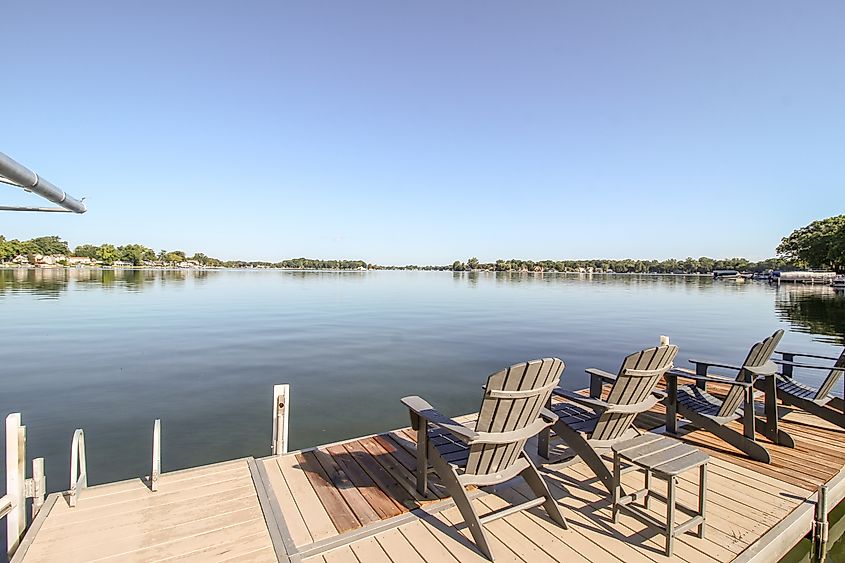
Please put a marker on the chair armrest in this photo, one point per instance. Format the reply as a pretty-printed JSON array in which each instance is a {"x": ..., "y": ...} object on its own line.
[
  {"x": 595, "y": 404},
  {"x": 766, "y": 370},
  {"x": 601, "y": 374},
  {"x": 783, "y": 353},
  {"x": 708, "y": 378},
  {"x": 548, "y": 415},
  {"x": 715, "y": 365},
  {"x": 423, "y": 409},
  {"x": 809, "y": 366}
]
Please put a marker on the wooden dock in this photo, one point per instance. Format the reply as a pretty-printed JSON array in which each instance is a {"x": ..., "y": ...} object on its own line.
[{"x": 356, "y": 501}]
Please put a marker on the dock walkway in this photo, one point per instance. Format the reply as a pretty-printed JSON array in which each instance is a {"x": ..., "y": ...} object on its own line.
[{"x": 356, "y": 501}]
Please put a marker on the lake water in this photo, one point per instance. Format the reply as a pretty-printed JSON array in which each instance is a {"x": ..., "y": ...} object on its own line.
[{"x": 110, "y": 351}]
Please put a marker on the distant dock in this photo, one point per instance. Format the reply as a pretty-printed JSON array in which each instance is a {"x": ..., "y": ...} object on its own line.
[{"x": 356, "y": 501}]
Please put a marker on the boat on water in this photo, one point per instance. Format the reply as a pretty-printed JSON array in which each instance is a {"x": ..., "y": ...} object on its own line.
[
  {"x": 805, "y": 276},
  {"x": 731, "y": 275},
  {"x": 838, "y": 282}
]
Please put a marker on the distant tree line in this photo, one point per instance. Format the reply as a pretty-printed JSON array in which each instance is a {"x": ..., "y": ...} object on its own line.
[
  {"x": 703, "y": 265},
  {"x": 821, "y": 244},
  {"x": 139, "y": 255}
]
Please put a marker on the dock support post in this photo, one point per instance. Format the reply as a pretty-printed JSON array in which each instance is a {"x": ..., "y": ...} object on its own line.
[
  {"x": 155, "y": 472},
  {"x": 39, "y": 485},
  {"x": 15, "y": 481},
  {"x": 281, "y": 410},
  {"x": 820, "y": 524}
]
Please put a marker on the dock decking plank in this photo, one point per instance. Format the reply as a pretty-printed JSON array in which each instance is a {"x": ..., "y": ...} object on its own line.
[
  {"x": 313, "y": 512},
  {"x": 377, "y": 499},
  {"x": 341, "y": 515},
  {"x": 365, "y": 513},
  {"x": 293, "y": 518}
]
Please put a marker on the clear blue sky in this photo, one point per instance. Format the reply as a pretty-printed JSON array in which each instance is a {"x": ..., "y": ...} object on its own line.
[{"x": 425, "y": 132}]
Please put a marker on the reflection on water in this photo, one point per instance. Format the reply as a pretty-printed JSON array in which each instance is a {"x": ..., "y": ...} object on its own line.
[
  {"x": 111, "y": 350},
  {"x": 815, "y": 310},
  {"x": 51, "y": 282}
]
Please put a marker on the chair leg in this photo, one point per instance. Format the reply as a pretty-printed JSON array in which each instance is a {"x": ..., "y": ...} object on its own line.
[
  {"x": 770, "y": 428},
  {"x": 422, "y": 456},
  {"x": 737, "y": 440},
  {"x": 671, "y": 403},
  {"x": 543, "y": 443},
  {"x": 541, "y": 490},
  {"x": 456, "y": 490},
  {"x": 585, "y": 451}
]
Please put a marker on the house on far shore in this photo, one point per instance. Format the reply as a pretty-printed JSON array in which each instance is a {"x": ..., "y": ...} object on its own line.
[
  {"x": 121, "y": 264},
  {"x": 80, "y": 261}
]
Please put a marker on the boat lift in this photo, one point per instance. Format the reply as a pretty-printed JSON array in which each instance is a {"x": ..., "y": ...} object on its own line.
[{"x": 19, "y": 176}]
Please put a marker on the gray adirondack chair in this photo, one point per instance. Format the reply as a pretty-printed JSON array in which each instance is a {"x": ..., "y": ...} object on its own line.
[
  {"x": 712, "y": 414},
  {"x": 492, "y": 451},
  {"x": 817, "y": 401},
  {"x": 590, "y": 425}
]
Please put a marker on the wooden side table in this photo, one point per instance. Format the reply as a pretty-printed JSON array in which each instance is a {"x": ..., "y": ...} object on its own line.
[{"x": 664, "y": 458}]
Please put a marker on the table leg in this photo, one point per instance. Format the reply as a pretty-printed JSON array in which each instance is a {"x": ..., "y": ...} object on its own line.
[
  {"x": 617, "y": 485},
  {"x": 670, "y": 515},
  {"x": 647, "y": 488},
  {"x": 702, "y": 497}
]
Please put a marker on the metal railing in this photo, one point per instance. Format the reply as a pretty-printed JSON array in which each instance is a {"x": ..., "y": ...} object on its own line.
[
  {"x": 18, "y": 175},
  {"x": 78, "y": 467}
]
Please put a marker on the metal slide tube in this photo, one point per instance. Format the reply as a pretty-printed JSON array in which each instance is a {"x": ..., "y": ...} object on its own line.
[{"x": 16, "y": 174}]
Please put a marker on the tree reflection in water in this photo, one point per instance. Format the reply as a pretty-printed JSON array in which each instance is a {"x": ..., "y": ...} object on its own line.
[{"x": 815, "y": 310}]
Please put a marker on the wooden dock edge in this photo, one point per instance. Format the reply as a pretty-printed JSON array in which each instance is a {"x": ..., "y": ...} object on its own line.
[
  {"x": 29, "y": 537},
  {"x": 786, "y": 534},
  {"x": 283, "y": 545}
]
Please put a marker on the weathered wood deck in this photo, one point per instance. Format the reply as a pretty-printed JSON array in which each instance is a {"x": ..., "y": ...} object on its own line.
[{"x": 356, "y": 501}]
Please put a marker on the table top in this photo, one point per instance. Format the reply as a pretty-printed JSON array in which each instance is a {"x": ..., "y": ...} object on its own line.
[{"x": 660, "y": 454}]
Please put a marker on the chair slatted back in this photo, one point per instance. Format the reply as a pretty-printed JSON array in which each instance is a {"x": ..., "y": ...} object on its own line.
[
  {"x": 759, "y": 354},
  {"x": 832, "y": 377},
  {"x": 530, "y": 385},
  {"x": 637, "y": 378}
]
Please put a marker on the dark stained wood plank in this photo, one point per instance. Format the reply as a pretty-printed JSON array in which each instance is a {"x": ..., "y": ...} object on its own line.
[
  {"x": 339, "y": 512},
  {"x": 409, "y": 462},
  {"x": 350, "y": 493},
  {"x": 403, "y": 477},
  {"x": 378, "y": 499},
  {"x": 381, "y": 476}
]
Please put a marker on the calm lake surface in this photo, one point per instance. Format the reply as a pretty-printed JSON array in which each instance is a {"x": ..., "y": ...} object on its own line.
[{"x": 110, "y": 351}]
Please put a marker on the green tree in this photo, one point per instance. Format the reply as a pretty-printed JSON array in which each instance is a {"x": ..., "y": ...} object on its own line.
[
  {"x": 137, "y": 254},
  {"x": 107, "y": 253},
  {"x": 472, "y": 263},
  {"x": 458, "y": 266},
  {"x": 821, "y": 244},
  {"x": 85, "y": 251}
]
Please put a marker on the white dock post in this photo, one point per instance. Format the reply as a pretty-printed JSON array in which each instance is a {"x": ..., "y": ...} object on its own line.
[
  {"x": 15, "y": 481},
  {"x": 281, "y": 411},
  {"x": 155, "y": 472},
  {"x": 664, "y": 340},
  {"x": 39, "y": 481}
]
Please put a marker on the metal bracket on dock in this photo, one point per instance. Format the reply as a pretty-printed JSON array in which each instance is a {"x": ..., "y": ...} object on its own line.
[
  {"x": 78, "y": 467},
  {"x": 155, "y": 472},
  {"x": 820, "y": 523},
  {"x": 281, "y": 410}
]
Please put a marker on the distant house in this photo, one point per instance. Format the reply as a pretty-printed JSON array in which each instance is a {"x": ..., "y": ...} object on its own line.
[
  {"x": 20, "y": 259},
  {"x": 79, "y": 261},
  {"x": 121, "y": 264},
  {"x": 48, "y": 260}
]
